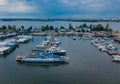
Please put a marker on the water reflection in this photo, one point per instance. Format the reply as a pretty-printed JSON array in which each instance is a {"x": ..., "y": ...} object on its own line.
[
  {"x": 3, "y": 56},
  {"x": 45, "y": 65},
  {"x": 116, "y": 62},
  {"x": 6, "y": 55}
]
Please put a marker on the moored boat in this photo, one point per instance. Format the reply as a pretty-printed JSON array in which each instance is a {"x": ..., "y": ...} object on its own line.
[
  {"x": 116, "y": 58},
  {"x": 56, "y": 50},
  {"x": 42, "y": 57}
]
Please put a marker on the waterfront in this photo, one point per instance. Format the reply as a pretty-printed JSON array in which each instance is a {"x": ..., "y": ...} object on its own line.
[
  {"x": 114, "y": 25},
  {"x": 87, "y": 65}
]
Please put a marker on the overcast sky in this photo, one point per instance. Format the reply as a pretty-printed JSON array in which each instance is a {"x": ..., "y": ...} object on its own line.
[{"x": 60, "y": 8}]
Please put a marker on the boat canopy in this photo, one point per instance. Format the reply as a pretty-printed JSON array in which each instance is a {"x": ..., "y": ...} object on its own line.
[{"x": 44, "y": 55}]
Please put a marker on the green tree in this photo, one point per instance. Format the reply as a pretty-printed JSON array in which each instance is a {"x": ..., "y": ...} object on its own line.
[
  {"x": 84, "y": 25},
  {"x": 29, "y": 29},
  {"x": 46, "y": 27},
  {"x": 14, "y": 27},
  {"x": 99, "y": 27},
  {"x": 56, "y": 30},
  {"x": 91, "y": 26},
  {"x": 22, "y": 27},
  {"x": 3, "y": 27},
  {"x": 9, "y": 27},
  {"x": 62, "y": 27},
  {"x": 70, "y": 26},
  {"x": 43, "y": 28},
  {"x": 51, "y": 27},
  {"x": 107, "y": 27}
]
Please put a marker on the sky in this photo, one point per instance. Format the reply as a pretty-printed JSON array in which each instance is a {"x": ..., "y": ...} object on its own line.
[{"x": 59, "y": 8}]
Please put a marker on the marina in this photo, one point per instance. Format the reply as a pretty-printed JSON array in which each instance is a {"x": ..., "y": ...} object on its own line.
[
  {"x": 81, "y": 53},
  {"x": 87, "y": 54},
  {"x": 59, "y": 42}
]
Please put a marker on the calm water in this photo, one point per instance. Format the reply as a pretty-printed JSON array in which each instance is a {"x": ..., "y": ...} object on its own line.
[
  {"x": 87, "y": 66},
  {"x": 114, "y": 25}
]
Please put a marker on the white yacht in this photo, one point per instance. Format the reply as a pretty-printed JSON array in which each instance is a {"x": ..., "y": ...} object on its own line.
[{"x": 56, "y": 50}]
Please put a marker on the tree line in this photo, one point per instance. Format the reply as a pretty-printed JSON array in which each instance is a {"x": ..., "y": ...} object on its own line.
[{"x": 23, "y": 29}]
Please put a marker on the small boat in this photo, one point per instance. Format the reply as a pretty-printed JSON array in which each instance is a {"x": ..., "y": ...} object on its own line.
[
  {"x": 56, "y": 50},
  {"x": 116, "y": 58},
  {"x": 102, "y": 48},
  {"x": 23, "y": 38},
  {"x": 112, "y": 52},
  {"x": 42, "y": 57},
  {"x": 4, "y": 50},
  {"x": 55, "y": 41},
  {"x": 41, "y": 45},
  {"x": 74, "y": 38}
]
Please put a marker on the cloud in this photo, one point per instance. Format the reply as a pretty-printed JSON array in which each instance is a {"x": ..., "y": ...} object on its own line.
[
  {"x": 57, "y": 8},
  {"x": 88, "y": 5},
  {"x": 3, "y": 2},
  {"x": 15, "y": 6}
]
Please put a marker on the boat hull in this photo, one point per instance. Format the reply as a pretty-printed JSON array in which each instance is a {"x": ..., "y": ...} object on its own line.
[
  {"x": 59, "y": 53},
  {"x": 41, "y": 61}
]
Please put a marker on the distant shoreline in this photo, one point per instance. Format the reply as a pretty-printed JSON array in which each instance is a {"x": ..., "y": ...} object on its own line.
[{"x": 71, "y": 20}]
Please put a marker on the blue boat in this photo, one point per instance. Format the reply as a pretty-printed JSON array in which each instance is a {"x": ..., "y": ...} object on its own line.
[{"x": 42, "y": 57}]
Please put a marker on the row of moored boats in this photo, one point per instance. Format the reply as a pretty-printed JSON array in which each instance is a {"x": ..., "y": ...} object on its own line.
[
  {"x": 47, "y": 51},
  {"x": 107, "y": 45},
  {"x": 8, "y": 45}
]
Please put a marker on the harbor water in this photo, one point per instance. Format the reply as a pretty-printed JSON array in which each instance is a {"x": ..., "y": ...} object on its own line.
[{"x": 87, "y": 65}]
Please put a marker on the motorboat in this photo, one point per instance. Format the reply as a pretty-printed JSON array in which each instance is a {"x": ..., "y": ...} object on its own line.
[
  {"x": 56, "y": 50},
  {"x": 42, "y": 57},
  {"x": 116, "y": 58}
]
